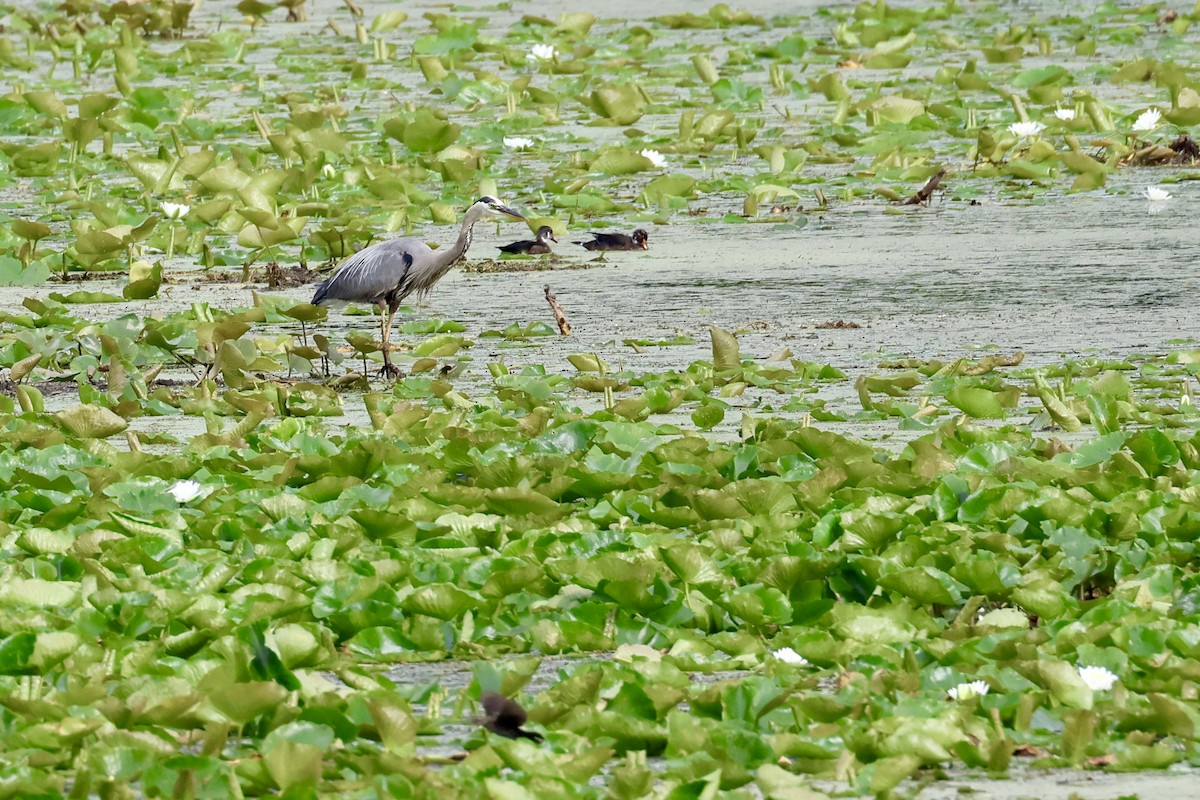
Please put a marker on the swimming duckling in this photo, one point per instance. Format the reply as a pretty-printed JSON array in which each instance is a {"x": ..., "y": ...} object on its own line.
[
  {"x": 505, "y": 717},
  {"x": 537, "y": 247},
  {"x": 618, "y": 241}
]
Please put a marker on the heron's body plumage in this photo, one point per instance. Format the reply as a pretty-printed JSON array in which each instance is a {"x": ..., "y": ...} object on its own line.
[{"x": 379, "y": 272}]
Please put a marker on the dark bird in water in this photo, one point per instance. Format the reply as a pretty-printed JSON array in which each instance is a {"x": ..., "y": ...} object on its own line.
[
  {"x": 537, "y": 247},
  {"x": 618, "y": 241},
  {"x": 386, "y": 273},
  {"x": 505, "y": 717}
]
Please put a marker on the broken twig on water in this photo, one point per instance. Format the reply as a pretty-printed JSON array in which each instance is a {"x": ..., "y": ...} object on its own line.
[
  {"x": 564, "y": 327},
  {"x": 922, "y": 197}
]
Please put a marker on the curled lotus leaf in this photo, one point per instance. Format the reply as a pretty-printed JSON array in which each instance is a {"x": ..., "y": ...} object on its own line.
[
  {"x": 621, "y": 104},
  {"x": 983, "y": 403},
  {"x": 708, "y": 416},
  {"x": 260, "y": 191},
  {"x": 84, "y": 298},
  {"x": 901, "y": 110},
  {"x": 441, "y": 346},
  {"x": 98, "y": 243},
  {"x": 441, "y": 601},
  {"x": 667, "y": 186},
  {"x": 92, "y": 106},
  {"x": 387, "y": 21},
  {"x": 196, "y": 163},
  {"x": 155, "y": 174},
  {"x": 426, "y": 132},
  {"x": 577, "y": 23},
  {"x": 293, "y": 766},
  {"x": 225, "y": 177},
  {"x": 394, "y": 723},
  {"x": 46, "y": 103},
  {"x": 306, "y": 312},
  {"x": 38, "y": 593},
  {"x": 44, "y": 541},
  {"x": 1061, "y": 680},
  {"x": 276, "y": 231},
  {"x": 712, "y": 126},
  {"x": 724, "y": 350},
  {"x": 20, "y": 370},
  {"x": 91, "y": 422},
  {"x": 243, "y": 702},
  {"x": 588, "y": 362},
  {"x": 144, "y": 280},
  {"x": 30, "y": 230},
  {"x": 619, "y": 161}
]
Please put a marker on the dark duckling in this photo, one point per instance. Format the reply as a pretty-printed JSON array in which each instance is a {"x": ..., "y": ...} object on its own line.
[
  {"x": 505, "y": 717},
  {"x": 618, "y": 241},
  {"x": 537, "y": 247}
]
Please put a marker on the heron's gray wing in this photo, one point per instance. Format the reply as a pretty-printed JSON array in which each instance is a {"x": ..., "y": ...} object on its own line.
[{"x": 368, "y": 275}]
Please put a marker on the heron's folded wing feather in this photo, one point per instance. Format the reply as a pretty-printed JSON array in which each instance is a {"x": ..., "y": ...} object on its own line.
[{"x": 368, "y": 275}]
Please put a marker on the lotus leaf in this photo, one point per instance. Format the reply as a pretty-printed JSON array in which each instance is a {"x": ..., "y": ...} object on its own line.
[
  {"x": 620, "y": 104},
  {"x": 900, "y": 110},
  {"x": 91, "y": 422}
]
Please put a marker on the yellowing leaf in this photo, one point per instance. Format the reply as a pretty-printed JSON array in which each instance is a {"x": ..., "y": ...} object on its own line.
[
  {"x": 725, "y": 350},
  {"x": 91, "y": 422}
]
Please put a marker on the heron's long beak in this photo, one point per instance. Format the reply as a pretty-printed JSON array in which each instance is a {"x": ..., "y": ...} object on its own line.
[{"x": 508, "y": 212}]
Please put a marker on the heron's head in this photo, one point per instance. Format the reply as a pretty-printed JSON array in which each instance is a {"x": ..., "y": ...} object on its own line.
[
  {"x": 490, "y": 206},
  {"x": 641, "y": 239},
  {"x": 546, "y": 232}
]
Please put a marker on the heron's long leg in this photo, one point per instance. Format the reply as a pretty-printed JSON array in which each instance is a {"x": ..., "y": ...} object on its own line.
[
  {"x": 384, "y": 324},
  {"x": 388, "y": 313}
]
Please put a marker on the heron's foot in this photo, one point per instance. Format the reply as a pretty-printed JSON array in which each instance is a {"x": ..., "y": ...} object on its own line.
[{"x": 391, "y": 371}]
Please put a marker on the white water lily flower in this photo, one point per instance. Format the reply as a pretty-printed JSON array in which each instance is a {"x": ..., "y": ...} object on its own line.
[
  {"x": 542, "y": 52},
  {"x": 1147, "y": 120},
  {"x": 186, "y": 491},
  {"x": 1065, "y": 114},
  {"x": 1156, "y": 194},
  {"x": 789, "y": 656},
  {"x": 175, "y": 210},
  {"x": 965, "y": 691},
  {"x": 1098, "y": 679},
  {"x": 654, "y": 157},
  {"x": 517, "y": 143},
  {"x": 1026, "y": 128}
]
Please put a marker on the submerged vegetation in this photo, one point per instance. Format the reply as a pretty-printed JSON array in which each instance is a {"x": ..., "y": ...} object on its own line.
[{"x": 221, "y": 535}]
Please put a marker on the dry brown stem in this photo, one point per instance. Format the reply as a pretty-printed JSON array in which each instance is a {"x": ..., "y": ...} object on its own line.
[
  {"x": 922, "y": 197},
  {"x": 564, "y": 327}
]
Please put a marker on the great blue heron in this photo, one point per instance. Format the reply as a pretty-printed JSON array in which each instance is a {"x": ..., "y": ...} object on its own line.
[
  {"x": 532, "y": 247},
  {"x": 618, "y": 241},
  {"x": 388, "y": 272},
  {"x": 505, "y": 717}
]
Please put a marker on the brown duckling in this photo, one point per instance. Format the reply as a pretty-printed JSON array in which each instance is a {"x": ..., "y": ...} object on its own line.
[
  {"x": 537, "y": 247},
  {"x": 618, "y": 241},
  {"x": 505, "y": 717}
]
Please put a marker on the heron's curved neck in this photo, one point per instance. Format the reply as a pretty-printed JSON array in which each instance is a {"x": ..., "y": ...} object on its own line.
[{"x": 448, "y": 256}]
